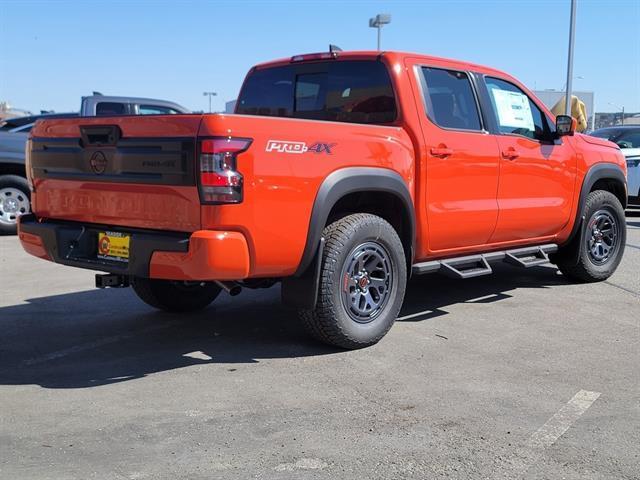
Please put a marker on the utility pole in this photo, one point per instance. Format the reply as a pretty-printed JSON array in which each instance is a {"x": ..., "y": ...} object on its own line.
[
  {"x": 209, "y": 94},
  {"x": 619, "y": 108},
  {"x": 572, "y": 34},
  {"x": 377, "y": 22}
]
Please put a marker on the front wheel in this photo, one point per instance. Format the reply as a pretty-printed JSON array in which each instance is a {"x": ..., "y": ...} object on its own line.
[
  {"x": 362, "y": 282},
  {"x": 601, "y": 243},
  {"x": 175, "y": 296}
]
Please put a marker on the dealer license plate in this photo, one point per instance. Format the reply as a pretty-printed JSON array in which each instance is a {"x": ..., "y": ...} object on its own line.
[{"x": 113, "y": 246}]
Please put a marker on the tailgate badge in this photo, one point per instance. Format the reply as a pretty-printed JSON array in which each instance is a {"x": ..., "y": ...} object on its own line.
[
  {"x": 285, "y": 146},
  {"x": 98, "y": 162}
]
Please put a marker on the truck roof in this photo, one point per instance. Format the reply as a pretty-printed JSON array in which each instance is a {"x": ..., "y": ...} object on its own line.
[{"x": 391, "y": 54}]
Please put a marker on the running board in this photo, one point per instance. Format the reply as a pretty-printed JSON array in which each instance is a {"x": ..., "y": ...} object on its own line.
[{"x": 476, "y": 265}]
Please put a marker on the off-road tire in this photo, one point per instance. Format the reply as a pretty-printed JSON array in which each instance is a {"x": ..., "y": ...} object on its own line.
[
  {"x": 175, "y": 296},
  {"x": 330, "y": 320},
  {"x": 587, "y": 269},
  {"x": 18, "y": 188}
]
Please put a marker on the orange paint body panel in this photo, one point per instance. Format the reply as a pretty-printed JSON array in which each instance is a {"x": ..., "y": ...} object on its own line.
[
  {"x": 33, "y": 245},
  {"x": 172, "y": 208},
  {"x": 469, "y": 199},
  {"x": 280, "y": 188},
  {"x": 212, "y": 255}
]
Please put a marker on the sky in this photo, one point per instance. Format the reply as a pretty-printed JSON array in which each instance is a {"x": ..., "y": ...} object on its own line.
[{"x": 53, "y": 52}]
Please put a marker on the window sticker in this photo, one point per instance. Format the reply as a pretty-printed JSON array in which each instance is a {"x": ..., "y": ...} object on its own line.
[{"x": 513, "y": 109}]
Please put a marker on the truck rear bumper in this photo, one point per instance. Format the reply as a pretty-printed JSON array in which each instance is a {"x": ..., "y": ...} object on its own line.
[{"x": 203, "y": 255}]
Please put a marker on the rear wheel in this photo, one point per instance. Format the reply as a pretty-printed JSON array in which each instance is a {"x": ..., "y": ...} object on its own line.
[
  {"x": 602, "y": 238},
  {"x": 14, "y": 201},
  {"x": 175, "y": 296},
  {"x": 362, "y": 282}
]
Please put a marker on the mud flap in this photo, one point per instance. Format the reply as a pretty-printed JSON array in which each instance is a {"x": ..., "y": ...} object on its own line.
[
  {"x": 302, "y": 291},
  {"x": 569, "y": 253}
]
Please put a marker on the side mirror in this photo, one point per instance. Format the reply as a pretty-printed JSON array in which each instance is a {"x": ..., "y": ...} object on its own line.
[{"x": 565, "y": 125}]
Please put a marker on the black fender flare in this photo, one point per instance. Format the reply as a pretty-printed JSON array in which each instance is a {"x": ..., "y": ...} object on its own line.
[
  {"x": 301, "y": 289},
  {"x": 599, "y": 171},
  {"x": 351, "y": 180}
]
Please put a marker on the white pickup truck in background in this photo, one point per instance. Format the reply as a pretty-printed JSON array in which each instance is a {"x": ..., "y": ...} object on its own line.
[{"x": 14, "y": 132}]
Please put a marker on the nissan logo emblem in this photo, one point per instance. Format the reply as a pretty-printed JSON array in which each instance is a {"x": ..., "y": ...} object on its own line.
[{"x": 98, "y": 162}]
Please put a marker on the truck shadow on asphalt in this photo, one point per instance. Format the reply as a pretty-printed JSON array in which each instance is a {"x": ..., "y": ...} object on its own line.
[{"x": 98, "y": 337}]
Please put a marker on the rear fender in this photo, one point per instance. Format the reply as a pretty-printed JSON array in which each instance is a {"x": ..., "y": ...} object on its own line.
[{"x": 337, "y": 185}]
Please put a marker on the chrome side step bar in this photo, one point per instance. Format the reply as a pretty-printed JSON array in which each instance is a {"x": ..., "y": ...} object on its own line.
[{"x": 475, "y": 265}]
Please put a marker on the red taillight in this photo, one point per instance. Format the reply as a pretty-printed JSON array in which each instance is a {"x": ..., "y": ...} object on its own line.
[{"x": 220, "y": 181}]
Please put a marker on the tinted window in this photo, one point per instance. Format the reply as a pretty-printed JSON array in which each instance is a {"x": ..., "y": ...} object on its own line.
[
  {"x": 629, "y": 139},
  {"x": 109, "y": 108},
  {"x": 449, "y": 99},
  {"x": 349, "y": 91},
  {"x": 268, "y": 92},
  {"x": 156, "y": 110},
  {"x": 515, "y": 112},
  {"x": 606, "y": 134},
  {"x": 310, "y": 92}
]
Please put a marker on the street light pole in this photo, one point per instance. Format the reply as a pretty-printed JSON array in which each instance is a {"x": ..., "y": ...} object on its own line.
[
  {"x": 620, "y": 108},
  {"x": 377, "y": 22},
  {"x": 572, "y": 32},
  {"x": 209, "y": 94}
]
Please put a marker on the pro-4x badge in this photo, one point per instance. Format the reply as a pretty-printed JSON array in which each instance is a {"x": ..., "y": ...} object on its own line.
[{"x": 285, "y": 146}]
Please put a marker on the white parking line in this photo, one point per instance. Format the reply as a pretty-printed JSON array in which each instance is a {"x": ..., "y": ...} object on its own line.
[
  {"x": 414, "y": 315},
  {"x": 548, "y": 434},
  {"x": 95, "y": 344},
  {"x": 562, "y": 420},
  {"x": 198, "y": 355}
]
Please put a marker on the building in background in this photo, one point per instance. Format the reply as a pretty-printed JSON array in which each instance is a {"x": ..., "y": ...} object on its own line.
[
  {"x": 7, "y": 111},
  {"x": 229, "y": 107}
]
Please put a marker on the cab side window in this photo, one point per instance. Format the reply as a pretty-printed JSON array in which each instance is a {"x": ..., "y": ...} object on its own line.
[
  {"x": 156, "y": 110},
  {"x": 449, "y": 99},
  {"x": 515, "y": 113},
  {"x": 110, "y": 108}
]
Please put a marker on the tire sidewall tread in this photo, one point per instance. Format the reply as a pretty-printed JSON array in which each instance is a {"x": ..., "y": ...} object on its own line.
[
  {"x": 585, "y": 270},
  {"x": 329, "y": 321},
  {"x": 19, "y": 183}
]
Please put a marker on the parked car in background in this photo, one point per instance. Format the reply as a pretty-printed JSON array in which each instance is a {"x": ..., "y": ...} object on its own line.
[
  {"x": 14, "y": 190},
  {"x": 16, "y": 123},
  {"x": 98, "y": 105},
  {"x": 628, "y": 139}
]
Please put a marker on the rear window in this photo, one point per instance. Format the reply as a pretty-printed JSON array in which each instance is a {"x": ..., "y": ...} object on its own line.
[{"x": 348, "y": 91}]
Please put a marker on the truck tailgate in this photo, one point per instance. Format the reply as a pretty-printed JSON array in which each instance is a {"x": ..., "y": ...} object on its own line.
[{"x": 122, "y": 171}]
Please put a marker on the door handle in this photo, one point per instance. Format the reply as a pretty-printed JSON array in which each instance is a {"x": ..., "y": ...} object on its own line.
[
  {"x": 510, "y": 154},
  {"x": 441, "y": 152}
]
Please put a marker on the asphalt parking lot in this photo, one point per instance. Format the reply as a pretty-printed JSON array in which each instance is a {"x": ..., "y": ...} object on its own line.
[{"x": 517, "y": 375}]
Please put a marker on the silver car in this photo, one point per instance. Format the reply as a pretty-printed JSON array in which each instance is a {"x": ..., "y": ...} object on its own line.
[{"x": 628, "y": 139}]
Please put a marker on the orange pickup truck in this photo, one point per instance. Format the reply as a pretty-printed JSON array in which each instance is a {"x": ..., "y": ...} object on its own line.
[{"x": 340, "y": 175}]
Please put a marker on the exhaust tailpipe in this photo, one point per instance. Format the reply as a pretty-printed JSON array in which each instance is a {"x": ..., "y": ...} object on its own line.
[{"x": 231, "y": 288}]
